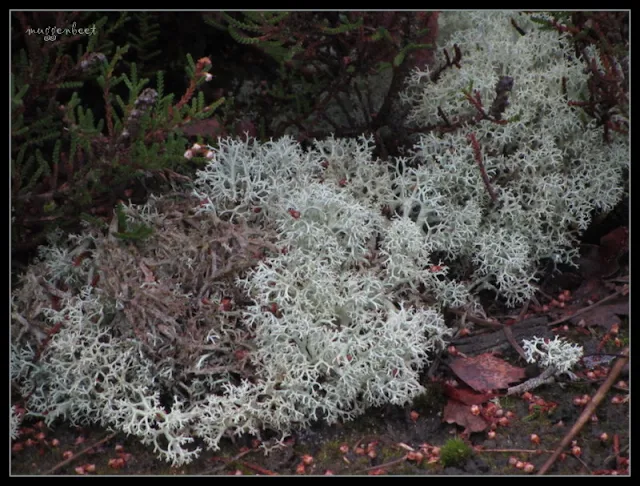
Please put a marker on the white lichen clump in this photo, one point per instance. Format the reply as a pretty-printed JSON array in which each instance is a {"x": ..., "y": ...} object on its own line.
[
  {"x": 549, "y": 168},
  {"x": 343, "y": 309},
  {"x": 15, "y": 419},
  {"x": 559, "y": 353}
]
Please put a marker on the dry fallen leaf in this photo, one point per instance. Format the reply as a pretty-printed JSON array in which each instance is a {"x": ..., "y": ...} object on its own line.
[
  {"x": 604, "y": 315},
  {"x": 592, "y": 264},
  {"x": 456, "y": 412},
  {"x": 601, "y": 261},
  {"x": 486, "y": 372},
  {"x": 466, "y": 395}
]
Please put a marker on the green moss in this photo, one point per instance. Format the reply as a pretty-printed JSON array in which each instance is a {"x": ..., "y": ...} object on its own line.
[
  {"x": 330, "y": 451},
  {"x": 509, "y": 402},
  {"x": 538, "y": 415},
  {"x": 455, "y": 452}
]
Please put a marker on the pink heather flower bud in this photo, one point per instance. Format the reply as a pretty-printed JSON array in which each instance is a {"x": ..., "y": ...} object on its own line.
[
  {"x": 209, "y": 155},
  {"x": 208, "y": 77},
  {"x": 188, "y": 154},
  {"x": 196, "y": 146}
]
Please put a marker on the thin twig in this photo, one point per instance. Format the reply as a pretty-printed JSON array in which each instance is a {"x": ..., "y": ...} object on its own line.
[
  {"x": 83, "y": 451},
  {"x": 258, "y": 469},
  {"x": 585, "y": 309},
  {"x": 524, "y": 310},
  {"x": 386, "y": 464},
  {"x": 550, "y": 297},
  {"x": 544, "y": 378},
  {"x": 362, "y": 439},
  {"x": 515, "y": 451},
  {"x": 226, "y": 461},
  {"x": 477, "y": 320},
  {"x": 615, "y": 455},
  {"x": 624, "y": 279},
  {"x": 509, "y": 333},
  {"x": 588, "y": 410},
  {"x": 581, "y": 461},
  {"x": 478, "y": 157},
  {"x": 443, "y": 116}
]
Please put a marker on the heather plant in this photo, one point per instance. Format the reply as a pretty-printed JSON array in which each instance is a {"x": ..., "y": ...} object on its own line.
[
  {"x": 330, "y": 72},
  {"x": 303, "y": 283},
  {"x": 70, "y": 155}
]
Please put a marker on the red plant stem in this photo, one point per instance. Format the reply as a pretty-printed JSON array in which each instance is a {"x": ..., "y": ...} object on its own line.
[
  {"x": 478, "y": 156},
  {"x": 200, "y": 65},
  {"x": 107, "y": 107},
  {"x": 385, "y": 465},
  {"x": 476, "y": 102},
  {"x": 515, "y": 451},
  {"x": 257, "y": 468}
]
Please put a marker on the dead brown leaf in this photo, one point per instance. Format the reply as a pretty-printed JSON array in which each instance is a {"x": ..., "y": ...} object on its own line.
[
  {"x": 466, "y": 395},
  {"x": 486, "y": 372},
  {"x": 604, "y": 315},
  {"x": 456, "y": 412},
  {"x": 592, "y": 263},
  {"x": 601, "y": 261},
  {"x": 614, "y": 244}
]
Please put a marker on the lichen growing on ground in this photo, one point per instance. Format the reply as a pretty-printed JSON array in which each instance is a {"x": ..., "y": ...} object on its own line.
[{"x": 299, "y": 284}]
